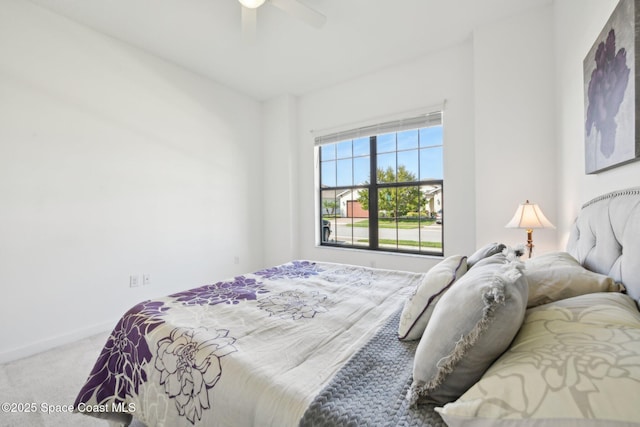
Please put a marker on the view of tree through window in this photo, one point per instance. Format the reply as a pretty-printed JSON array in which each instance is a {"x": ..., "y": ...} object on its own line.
[{"x": 400, "y": 209}]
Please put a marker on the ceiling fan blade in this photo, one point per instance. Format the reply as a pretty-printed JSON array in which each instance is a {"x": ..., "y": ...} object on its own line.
[
  {"x": 301, "y": 11},
  {"x": 249, "y": 24}
]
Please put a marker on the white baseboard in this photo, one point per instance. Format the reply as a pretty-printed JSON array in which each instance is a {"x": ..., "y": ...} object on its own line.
[{"x": 50, "y": 343}]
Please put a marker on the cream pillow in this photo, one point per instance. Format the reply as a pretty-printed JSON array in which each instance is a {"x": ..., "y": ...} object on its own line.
[
  {"x": 418, "y": 309},
  {"x": 557, "y": 275},
  {"x": 472, "y": 324},
  {"x": 574, "y": 363}
]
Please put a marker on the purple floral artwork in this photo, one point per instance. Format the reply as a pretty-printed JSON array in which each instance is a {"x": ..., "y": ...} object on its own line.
[
  {"x": 295, "y": 304},
  {"x": 189, "y": 364},
  {"x": 126, "y": 352},
  {"x": 240, "y": 289},
  {"x": 293, "y": 270},
  {"x": 606, "y": 91}
]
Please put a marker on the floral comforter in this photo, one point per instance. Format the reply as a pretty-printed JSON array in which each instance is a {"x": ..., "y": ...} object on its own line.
[{"x": 253, "y": 350}]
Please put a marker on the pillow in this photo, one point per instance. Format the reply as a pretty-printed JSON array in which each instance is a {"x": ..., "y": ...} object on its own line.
[
  {"x": 418, "y": 309},
  {"x": 557, "y": 275},
  {"x": 484, "y": 252},
  {"x": 472, "y": 324},
  {"x": 575, "y": 362}
]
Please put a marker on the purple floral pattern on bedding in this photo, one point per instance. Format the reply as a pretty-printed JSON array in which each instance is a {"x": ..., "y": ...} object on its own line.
[
  {"x": 232, "y": 292},
  {"x": 119, "y": 370},
  {"x": 148, "y": 351},
  {"x": 189, "y": 364},
  {"x": 293, "y": 270},
  {"x": 295, "y": 304}
]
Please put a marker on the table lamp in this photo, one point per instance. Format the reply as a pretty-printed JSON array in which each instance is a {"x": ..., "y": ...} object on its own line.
[{"x": 529, "y": 216}]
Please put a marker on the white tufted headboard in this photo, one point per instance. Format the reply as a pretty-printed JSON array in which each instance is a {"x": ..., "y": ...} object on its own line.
[{"x": 605, "y": 237}]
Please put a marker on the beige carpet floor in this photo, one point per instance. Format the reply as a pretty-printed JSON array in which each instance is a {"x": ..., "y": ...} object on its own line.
[{"x": 50, "y": 378}]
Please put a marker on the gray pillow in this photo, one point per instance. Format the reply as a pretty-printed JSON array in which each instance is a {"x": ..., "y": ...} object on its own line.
[
  {"x": 557, "y": 275},
  {"x": 418, "y": 309},
  {"x": 484, "y": 252},
  {"x": 471, "y": 326}
]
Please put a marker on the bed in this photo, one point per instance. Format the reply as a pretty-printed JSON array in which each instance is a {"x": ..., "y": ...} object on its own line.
[{"x": 478, "y": 340}]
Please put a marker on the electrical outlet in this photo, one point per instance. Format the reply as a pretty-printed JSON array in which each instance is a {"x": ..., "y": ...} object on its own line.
[
  {"x": 236, "y": 259},
  {"x": 146, "y": 279},
  {"x": 134, "y": 281}
]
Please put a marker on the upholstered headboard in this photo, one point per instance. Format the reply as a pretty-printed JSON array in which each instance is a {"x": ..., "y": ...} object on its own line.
[{"x": 605, "y": 237}]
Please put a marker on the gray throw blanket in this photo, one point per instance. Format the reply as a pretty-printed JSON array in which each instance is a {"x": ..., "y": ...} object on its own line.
[{"x": 370, "y": 390}]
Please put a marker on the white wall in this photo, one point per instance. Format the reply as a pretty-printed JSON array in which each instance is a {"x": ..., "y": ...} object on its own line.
[
  {"x": 515, "y": 150},
  {"x": 280, "y": 184},
  {"x": 112, "y": 163},
  {"x": 577, "y": 25},
  {"x": 425, "y": 82}
]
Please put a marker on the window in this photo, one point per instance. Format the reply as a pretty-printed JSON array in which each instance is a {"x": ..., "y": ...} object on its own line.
[{"x": 381, "y": 187}]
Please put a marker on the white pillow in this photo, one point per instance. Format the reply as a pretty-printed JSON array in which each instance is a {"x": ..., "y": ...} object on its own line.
[
  {"x": 418, "y": 309},
  {"x": 557, "y": 275},
  {"x": 486, "y": 251},
  {"x": 473, "y": 323},
  {"x": 574, "y": 363}
]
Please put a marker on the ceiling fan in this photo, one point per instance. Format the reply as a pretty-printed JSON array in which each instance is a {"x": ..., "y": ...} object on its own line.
[{"x": 292, "y": 7}]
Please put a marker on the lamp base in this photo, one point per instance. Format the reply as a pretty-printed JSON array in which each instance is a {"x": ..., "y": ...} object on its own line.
[{"x": 530, "y": 241}]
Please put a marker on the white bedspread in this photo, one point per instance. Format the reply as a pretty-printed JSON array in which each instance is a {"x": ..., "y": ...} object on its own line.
[{"x": 250, "y": 351}]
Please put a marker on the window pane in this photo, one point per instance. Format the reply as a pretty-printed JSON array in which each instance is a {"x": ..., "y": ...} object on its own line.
[
  {"x": 386, "y": 143},
  {"x": 360, "y": 206},
  {"x": 357, "y": 218},
  {"x": 344, "y": 149},
  {"x": 328, "y": 152},
  {"x": 361, "y": 147},
  {"x": 387, "y": 230},
  {"x": 408, "y": 139},
  {"x": 387, "y": 203},
  {"x": 432, "y": 195},
  {"x": 345, "y": 172},
  {"x": 408, "y": 166},
  {"x": 431, "y": 136},
  {"x": 328, "y": 174},
  {"x": 330, "y": 211},
  {"x": 431, "y": 163},
  {"x": 330, "y": 205},
  {"x": 386, "y": 167},
  {"x": 361, "y": 170},
  {"x": 349, "y": 220},
  {"x": 431, "y": 232},
  {"x": 410, "y": 200}
]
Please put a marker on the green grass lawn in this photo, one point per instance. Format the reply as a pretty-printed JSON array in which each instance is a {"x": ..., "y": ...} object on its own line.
[
  {"x": 411, "y": 243},
  {"x": 405, "y": 224}
]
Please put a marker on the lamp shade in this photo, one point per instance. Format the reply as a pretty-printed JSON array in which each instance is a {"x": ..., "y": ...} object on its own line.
[
  {"x": 529, "y": 216},
  {"x": 251, "y": 4}
]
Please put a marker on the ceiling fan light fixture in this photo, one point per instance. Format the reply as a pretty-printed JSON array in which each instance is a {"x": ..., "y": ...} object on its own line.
[{"x": 252, "y": 4}]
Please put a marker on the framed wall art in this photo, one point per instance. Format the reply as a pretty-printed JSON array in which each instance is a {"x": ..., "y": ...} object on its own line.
[{"x": 610, "y": 100}]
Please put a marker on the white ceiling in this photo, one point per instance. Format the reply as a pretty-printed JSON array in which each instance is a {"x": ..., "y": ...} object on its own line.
[{"x": 288, "y": 56}]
